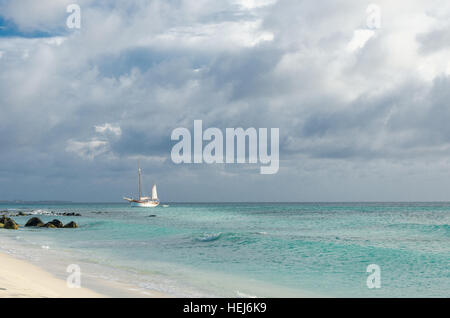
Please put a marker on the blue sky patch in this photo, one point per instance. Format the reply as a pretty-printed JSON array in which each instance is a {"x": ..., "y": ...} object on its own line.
[{"x": 10, "y": 29}]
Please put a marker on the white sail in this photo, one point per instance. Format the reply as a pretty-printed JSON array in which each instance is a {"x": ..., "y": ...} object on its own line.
[
  {"x": 154, "y": 193},
  {"x": 143, "y": 201}
]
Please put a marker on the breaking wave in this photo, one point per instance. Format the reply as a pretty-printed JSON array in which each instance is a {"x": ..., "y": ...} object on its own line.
[{"x": 209, "y": 237}]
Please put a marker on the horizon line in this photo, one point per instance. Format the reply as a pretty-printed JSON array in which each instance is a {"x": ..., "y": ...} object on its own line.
[{"x": 205, "y": 202}]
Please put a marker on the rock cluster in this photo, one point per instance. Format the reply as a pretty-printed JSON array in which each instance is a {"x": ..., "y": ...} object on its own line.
[
  {"x": 55, "y": 224},
  {"x": 71, "y": 225},
  {"x": 34, "y": 222},
  {"x": 8, "y": 223},
  {"x": 69, "y": 214}
]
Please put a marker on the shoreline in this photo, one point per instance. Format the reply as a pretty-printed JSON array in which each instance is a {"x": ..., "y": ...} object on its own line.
[
  {"x": 24, "y": 278},
  {"x": 41, "y": 250},
  {"x": 21, "y": 279}
]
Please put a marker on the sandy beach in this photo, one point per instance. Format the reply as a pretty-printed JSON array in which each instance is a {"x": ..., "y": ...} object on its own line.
[{"x": 21, "y": 279}]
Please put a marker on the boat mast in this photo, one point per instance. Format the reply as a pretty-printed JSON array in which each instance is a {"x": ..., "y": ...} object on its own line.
[{"x": 139, "y": 173}]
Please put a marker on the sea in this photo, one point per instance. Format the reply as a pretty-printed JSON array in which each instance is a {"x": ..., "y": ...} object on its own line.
[{"x": 243, "y": 249}]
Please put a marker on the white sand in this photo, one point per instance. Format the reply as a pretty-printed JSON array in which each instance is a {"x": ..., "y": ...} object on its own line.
[{"x": 21, "y": 279}]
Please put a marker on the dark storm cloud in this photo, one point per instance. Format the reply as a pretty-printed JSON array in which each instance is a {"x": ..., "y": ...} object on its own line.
[
  {"x": 141, "y": 142},
  {"x": 78, "y": 111},
  {"x": 248, "y": 73}
]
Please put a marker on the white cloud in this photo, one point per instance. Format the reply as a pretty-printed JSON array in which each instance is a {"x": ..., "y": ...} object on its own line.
[
  {"x": 96, "y": 146},
  {"x": 87, "y": 149},
  {"x": 56, "y": 40},
  {"x": 215, "y": 36},
  {"x": 252, "y": 4},
  {"x": 105, "y": 128},
  {"x": 360, "y": 38}
]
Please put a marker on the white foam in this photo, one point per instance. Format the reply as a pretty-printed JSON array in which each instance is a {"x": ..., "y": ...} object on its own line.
[
  {"x": 41, "y": 212},
  {"x": 243, "y": 295}
]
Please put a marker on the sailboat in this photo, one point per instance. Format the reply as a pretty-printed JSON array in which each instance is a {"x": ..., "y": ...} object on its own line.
[{"x": 142, "y": 201}]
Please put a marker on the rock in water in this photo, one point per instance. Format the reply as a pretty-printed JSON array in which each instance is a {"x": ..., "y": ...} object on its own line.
[
  {"x": 71, "y": 225},
  {"x": 11, "y": 225},
  {"x": 34, "y": 222},
  {"x": 70, "y": 214},
  {"x": 49, "y": 225},
  {"x": 57, "y": 223}
]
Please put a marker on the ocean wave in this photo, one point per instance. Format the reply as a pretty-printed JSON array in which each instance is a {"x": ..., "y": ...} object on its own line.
[
  {"x": 42, "y": 212},
  {"x": 51, "y": 213},
  {"x": 243, "y": 295},
  {"x": 229, "y": 238},
  {"x": 209, "y": 237},
  {"x": 261, "y": 233}
]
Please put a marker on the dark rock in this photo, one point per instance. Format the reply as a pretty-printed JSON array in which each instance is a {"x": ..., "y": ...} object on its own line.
[
  {"x": 3, "y": 219},
  {"x": 57, "y": 223},
  {"x": 10, "y": 224},
  {"x": 70, "y": 214},
  {"x": 34, "y": 222},
  {"x": 71, "y": 225},
  {"x": 49, "y": 225},
  {"x": 20, "y": 214}
]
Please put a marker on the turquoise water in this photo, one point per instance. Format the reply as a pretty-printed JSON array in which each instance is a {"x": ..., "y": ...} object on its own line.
[{"x": 264, "y": 250}]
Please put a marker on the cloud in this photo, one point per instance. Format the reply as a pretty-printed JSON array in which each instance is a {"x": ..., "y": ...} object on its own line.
[
  {"x": 252, "y": 4},
  {"x": 435, "y": 40},
  {"x": 108, "y": 128},
  {"x": 225, "y": 35},
  {"x": 87, "y": 149},
  {"x": 97, "y": 145},
  {"x": 357, "y": 108},
  {"x": 360, "y": 38}
]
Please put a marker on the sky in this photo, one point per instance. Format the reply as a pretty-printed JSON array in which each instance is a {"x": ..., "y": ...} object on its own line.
[{"x": 360, "y": 92}]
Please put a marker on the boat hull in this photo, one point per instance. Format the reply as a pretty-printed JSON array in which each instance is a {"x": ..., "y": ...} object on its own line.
[{"x": 144, "y": 204}]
